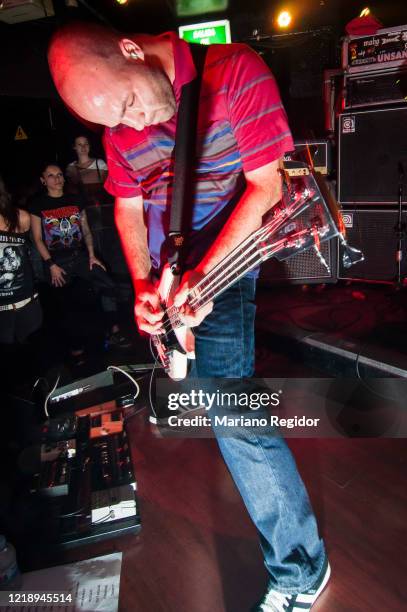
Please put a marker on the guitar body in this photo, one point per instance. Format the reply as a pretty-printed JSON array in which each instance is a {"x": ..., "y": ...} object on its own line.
[{"x": 175, "y": 358}]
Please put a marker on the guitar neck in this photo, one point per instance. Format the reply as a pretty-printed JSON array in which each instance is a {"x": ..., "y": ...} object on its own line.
[
  {"x": 286, "y": 233},
  {"x": 244, "y": 258}
]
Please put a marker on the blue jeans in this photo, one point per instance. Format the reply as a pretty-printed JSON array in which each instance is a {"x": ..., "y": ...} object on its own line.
[{"x": 261, "y": 465}]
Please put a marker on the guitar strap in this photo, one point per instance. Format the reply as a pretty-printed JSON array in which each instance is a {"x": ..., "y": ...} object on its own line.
[{"x": 184, "y": 163}]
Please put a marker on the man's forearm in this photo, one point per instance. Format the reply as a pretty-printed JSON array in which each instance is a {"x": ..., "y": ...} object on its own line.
[
  {"x": 130, "y": 223},
  {"x": 245, "y": 219}
]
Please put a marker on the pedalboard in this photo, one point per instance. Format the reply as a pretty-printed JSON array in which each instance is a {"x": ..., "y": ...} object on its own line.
[{"x": 86, "y": 472}]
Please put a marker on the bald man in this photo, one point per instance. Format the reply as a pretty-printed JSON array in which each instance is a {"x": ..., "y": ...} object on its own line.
[{"x": 132, "y": 86}]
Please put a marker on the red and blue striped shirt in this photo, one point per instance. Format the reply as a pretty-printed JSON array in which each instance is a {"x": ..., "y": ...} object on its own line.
[{"x": 242, "y": 126}]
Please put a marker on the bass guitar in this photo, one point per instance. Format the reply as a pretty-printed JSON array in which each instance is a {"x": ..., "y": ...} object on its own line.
[{"x": 306, "y": 217}]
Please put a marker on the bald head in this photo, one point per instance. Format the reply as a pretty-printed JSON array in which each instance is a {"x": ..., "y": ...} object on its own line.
[{"x": 108, "y": 79}]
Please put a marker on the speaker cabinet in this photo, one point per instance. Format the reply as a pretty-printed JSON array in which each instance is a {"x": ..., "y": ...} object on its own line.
[
  {"x": 372, "y": 149},
  {"x": 316, "y": 151},
  {"x": 373, "y": 232},
  {"x": 304, "y": 268}
]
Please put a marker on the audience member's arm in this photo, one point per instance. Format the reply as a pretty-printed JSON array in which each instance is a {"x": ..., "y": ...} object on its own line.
[
  {"x": 36, "y": 229},
  {"x": 102, "y": 168},
  {"x": 24, "y": 220},
  {"x": 103, "y": 175},
  {"x": 88, "y": 239},
  {"x": 57, "y": 273}
]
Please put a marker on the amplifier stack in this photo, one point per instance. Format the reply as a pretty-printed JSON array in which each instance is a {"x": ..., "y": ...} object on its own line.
[{"x": 372, "y": 150}]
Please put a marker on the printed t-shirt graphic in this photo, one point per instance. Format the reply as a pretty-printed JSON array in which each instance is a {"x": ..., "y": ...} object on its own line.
[
  {"x": 16, "y": 281},
  {"x": 11, "y": 265},
  {"x": 60, "y": 221},
  {"x": 62, "y": 228}
]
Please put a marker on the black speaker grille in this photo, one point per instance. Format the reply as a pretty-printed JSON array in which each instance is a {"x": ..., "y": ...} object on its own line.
[
  {"x": 373, "y": 231},
  {"x": 303, "y": 268},
  {"x": 372, "y": 145}
]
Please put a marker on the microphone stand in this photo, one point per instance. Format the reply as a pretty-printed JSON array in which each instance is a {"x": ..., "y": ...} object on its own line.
[{"x": 400, "y": 228}]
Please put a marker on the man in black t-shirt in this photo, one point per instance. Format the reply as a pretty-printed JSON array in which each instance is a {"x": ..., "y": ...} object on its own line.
[{"x": 62, "y": 236}]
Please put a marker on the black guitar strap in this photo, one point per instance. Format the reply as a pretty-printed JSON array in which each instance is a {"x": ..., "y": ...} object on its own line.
[{"x": 184, "y": 163}]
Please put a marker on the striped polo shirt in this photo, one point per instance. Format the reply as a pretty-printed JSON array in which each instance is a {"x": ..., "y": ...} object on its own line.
[{"x": 241, "y": 126}]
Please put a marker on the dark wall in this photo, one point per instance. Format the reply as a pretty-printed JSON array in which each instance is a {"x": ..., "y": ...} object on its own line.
[
  {"x": 28, "y": 98},
  {"x": 50, "y": 131}
]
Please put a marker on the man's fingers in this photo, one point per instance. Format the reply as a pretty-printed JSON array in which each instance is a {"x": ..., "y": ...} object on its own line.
[
  {"x": 150, "y": 328},
  {"x": 149, "y": 298},
  {"x": 181, "y": 295},
  {"x": 191, "y": 318},
  {"x": 144, "y": 311},
  {"x": 149, "y": 322},
  {"x": 148, "y": 317},
  {"x": 97, "y": 263}
]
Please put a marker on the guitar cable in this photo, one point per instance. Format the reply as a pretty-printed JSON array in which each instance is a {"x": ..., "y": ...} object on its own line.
[
  {"x": 150, "y": 386},
  {"x": 133, "y": 380}
]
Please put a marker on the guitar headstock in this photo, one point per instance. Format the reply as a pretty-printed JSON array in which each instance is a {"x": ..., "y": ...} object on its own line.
[{"x": 302, "y": 219}]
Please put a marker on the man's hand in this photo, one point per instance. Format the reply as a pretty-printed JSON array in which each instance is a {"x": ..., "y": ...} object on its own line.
[
  {"x": 94, "y": 261},
  {"x": 187, "y": 315},
  {"x": 57, "y": 276},
  {"x": 147, "y": 310}
]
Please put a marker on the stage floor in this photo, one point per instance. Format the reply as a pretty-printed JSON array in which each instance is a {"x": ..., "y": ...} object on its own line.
[{"x": 198, "y": 551}]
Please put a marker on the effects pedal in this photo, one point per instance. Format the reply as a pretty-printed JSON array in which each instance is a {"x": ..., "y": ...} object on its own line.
[
  {"x": 113, "y": 504},
  {"x": 111, "y": 462},
  {"x": 53, "y": 479},
  {"x": 64, "y": 449},
  {"x": 60, "y": 428},
  {"x": 106, "y": 424}
]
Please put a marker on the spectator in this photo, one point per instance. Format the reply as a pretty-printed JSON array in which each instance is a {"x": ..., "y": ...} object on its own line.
[
  {"x": 20, "y": 310},
  {"x": 62, "y": 236},
  {"x": 87, "y": 175}
]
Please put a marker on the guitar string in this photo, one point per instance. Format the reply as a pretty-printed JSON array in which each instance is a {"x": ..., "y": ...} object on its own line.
[
  {"x": 210, "y": 288},
  {"x": 240, "y": 252},
  {"x": 225, "y": 265},
  {"x": 172, "y": 312},
  {"x": 236, "y": 272},
  {"x": 244, "y": 249},
  {"x": 209, "y": 293},
  {"x": 255, "y": 239}
]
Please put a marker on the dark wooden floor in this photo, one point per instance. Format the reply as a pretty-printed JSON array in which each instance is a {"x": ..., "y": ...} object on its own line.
[{"x": 198, "y": 550}]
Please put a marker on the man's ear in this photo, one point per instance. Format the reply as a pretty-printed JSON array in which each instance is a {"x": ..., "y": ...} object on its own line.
[{"x": 131, "y": 50}]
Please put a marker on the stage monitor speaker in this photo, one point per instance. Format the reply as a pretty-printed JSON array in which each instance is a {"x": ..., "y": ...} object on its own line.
[
  {"x": 372, "y": 150},
  {"x": 317, "y": 152},
  {"x": 304, "y": 268},
  {"x": 373, "y": 232}
]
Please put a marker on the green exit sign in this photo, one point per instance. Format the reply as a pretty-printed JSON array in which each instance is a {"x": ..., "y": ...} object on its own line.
[{"x": 206, "y": 33}]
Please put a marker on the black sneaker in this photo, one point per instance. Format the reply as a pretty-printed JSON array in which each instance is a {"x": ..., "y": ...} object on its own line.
[{"x": 274, "y": 601}]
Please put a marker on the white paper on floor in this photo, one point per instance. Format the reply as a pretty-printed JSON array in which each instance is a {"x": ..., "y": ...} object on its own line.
[{"x": 94, "y": 584}]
